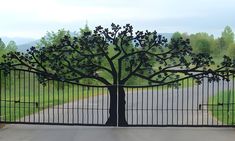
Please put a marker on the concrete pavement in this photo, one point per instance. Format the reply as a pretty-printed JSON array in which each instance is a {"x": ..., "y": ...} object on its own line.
[{"x": 74, "y": 133}]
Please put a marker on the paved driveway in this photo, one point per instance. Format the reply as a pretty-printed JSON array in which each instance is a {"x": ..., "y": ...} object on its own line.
[{"x": 74, "y": 133}]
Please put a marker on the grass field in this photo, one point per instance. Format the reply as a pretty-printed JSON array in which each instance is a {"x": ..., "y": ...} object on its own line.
[{"x": 224, "y": 107}]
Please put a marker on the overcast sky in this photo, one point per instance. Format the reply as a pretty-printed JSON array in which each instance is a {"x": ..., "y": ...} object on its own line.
[{"x": 32, "y": 18}]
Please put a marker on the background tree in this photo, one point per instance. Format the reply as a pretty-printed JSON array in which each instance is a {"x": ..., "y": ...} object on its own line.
[
  {"x": 220, "y": 46},
  {"x": 84, "y": 30},
  {"x": 176, "y": 36},
  {"x": 2, "y": 47},
  {"x": 2, "y": 44},
  {"x": 119, "y": 54},
  {"x": 231, "y": 51},
  {"x": 228, "y": 36},
  {"x": 11, "y": 46},
  {"x": 52, "y": 38},
  {"x": 203, "y": 43}
]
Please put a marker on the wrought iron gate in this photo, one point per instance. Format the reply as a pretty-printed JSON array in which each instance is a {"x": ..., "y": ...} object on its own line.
[
  {"x": 210, "y": 104},
  {"x": 24, "y": 100}
]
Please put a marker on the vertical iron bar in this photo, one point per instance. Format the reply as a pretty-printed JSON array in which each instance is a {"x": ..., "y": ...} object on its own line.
[
  {"x": 48, "y": 102},
  {"x": 5, "y": 105},
  {"x": 68, "y": 102},
  {"x": 19, "y": 96},
  {"x": 208, "y": 91},
  {"x": 152, "y": 104},
  {"x": 73, "y": 100},
  {"x": 213, "y": 97},
  {"x": 58, "y": 95},
  {"x": 172, "y": 105},
  {"x": 87, "y": 98},
  {"x": 157, "y": 108},
  {"x": 102, "y": 104},
  {"x": 162, "y": 105},
  {"x": 142, "y": 105},
  {"x": 53, "y": 100},
  {"x": 167, "y": 103},
  {"x": 192, "y": 102},
  {"x": 228, "y": 101},
  {"x": 132, "y": 107},
  {"x": 177, "y": 108},
  {"x": 147, "y": 105},
  {"x": 29, "y": 97},
  {"x": 63, "y": 98},
  {"x": 10, "y": 97},
  {"x": 202, "y": 100},
  {"x": 127, "y": 103},
  {"x": 187, "y": 98},
  {"x": 39, "y": 103},
  {"x": 233, "y": 99},
  {"x": 43, "y": 102},
  {"x": 14, "y": 77},
  {"x": 132, "y": 110},
  {"x": 182, "y": 102},
  {"x": 217, "y": 106},
  {"x": 78, "y": 102},
  {"x": 223, "y": 104},
  {"x": 82, "y": 104},
  {"x": 197, "y": 103},
  {"x": 107, "y": 93},
  {"x": 137, "y": 105},
  {"x": 34, "y": 98},
  {"x": 97, "y": 108},
  {"x": 24, "y": 96},
  {"x": 92, "y": 105}
]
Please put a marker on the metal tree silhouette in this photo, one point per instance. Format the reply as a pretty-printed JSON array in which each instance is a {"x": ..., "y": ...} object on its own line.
[{"x": 119, "y": 54}]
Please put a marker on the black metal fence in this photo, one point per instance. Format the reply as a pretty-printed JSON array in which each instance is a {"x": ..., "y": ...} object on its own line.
[{"x": 24, "y": 100}]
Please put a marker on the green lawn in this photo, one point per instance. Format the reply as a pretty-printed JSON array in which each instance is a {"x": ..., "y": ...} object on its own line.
[{"x": 223, "y": 108}]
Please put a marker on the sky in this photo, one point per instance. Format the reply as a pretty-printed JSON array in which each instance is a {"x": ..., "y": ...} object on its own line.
[{"x": 33, "y": 18}]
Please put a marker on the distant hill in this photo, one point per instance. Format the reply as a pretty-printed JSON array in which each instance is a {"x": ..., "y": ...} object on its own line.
[
  {"x": 18, "y": 40},
  {"x": 24, "y": 47},
  {"x": 22, "y": 43},
  {"x": 25, "y": 43},
  {"x": 167, "y": 35}
]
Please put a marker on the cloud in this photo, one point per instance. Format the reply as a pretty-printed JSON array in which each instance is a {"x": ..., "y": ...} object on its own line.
[
  {"x": 64, "y": 12},
  {"x": 35, "y": 17}
]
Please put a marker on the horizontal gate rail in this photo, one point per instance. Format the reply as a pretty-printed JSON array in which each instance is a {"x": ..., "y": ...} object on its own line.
[{"x": 211, "y": 105}]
